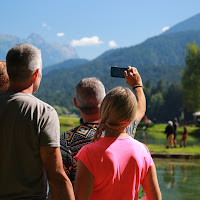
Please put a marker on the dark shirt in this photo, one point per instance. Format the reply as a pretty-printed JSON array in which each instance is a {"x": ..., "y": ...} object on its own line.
[
  {"x": 169, "y": 130},
  {"x": 71, "y": 142},
  {"x": 175, "y": 125}
]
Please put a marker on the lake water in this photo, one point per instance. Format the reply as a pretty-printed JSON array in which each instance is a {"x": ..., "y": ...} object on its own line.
[{"x": 179, "y": 179}]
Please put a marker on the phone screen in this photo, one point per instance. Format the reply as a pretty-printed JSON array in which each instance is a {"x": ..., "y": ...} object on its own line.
[{"x": 117, "y": 72}]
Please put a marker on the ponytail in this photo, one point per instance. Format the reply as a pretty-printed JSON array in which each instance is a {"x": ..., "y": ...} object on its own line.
[{"x": 99, "y": 131}]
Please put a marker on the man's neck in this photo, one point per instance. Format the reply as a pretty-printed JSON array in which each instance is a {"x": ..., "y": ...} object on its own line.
[
  {"x": 90, "y": 121},
  {"x": 20, "y": 88},
  {"x": 91, "y": 118}
]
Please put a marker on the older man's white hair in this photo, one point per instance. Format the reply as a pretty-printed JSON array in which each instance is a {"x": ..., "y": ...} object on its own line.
[{"x": 89, "y": 95}]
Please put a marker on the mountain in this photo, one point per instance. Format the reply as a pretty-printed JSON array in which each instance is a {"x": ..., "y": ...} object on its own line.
[
  {"x": 191, "y": 24},
  {"x": 158, "y": 57},
  {"x": 168, "y": 49},
  {"x": 52, "y": 53},
  {"x": 65, "y": 64},
  {"x": 150, "y": 47},
  {"x": 6, "y": 42}
]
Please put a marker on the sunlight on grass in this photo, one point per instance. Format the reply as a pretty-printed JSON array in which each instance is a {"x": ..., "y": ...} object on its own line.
[
  {"x": 156, "y": 131},
  {"x": 162, "y": 148},
  {"x": 68, "y": 122}
]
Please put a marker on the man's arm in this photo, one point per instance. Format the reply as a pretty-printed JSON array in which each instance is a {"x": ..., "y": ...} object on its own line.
[
  {"x": 59, "y": 183},
  {"x": 133, "y": 79}
]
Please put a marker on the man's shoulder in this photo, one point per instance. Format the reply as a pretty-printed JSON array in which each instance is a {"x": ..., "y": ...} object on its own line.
[
  {"x": 33, "y": 100},
  {"x": 81, "y": 133},
  {"x": 32, "y": 104},
  {"x": 41, "y": 103}
]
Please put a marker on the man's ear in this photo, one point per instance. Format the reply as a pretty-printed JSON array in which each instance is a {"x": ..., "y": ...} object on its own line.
[
  {"x": 35, "y": 75},
  {"x": 75, "y": 103}
]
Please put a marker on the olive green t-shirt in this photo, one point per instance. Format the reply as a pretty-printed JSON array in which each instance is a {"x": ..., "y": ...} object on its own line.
[{"x": 26, "y": 124}]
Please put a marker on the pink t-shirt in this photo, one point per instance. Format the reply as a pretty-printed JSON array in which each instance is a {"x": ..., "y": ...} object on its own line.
[{"x": 118, "y": 166}]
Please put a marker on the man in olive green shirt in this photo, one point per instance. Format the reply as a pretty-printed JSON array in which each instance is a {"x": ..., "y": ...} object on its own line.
[{"x": 30, "y": 132}]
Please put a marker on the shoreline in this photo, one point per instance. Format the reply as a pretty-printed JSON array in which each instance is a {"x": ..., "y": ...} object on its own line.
[{"x": 175, "y": 155}]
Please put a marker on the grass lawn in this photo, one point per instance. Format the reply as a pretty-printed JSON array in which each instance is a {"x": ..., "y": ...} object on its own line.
[
  {"x": 156, "y": 132},
  {"x": 162, "y": 148},
  {"x": 68, "y": 122}
]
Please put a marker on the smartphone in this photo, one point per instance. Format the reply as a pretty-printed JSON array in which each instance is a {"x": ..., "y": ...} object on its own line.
[{"x": 117, "y": 72}]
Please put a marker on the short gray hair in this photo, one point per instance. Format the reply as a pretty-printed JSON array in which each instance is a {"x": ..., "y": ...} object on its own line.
[
  {"x": 22, "y": 61},
  {"x": 89, "y": 95}
]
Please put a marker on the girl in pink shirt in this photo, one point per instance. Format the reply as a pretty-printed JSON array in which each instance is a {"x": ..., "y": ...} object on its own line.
[{"x": 115, "y": 166}]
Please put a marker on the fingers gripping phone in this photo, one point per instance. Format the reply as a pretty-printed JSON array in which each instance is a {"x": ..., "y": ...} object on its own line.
[{"x": 117, "y": 72}]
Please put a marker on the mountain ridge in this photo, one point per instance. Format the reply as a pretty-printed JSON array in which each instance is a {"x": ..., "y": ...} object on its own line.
[
  {"x": 52, "y": 53},
  {"x": 190, "y": 24},
  {"x": 159, "y": 50}
]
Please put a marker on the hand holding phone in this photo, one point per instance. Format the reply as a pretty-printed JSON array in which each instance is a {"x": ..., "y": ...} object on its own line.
[{"x": 133, "y": 78}]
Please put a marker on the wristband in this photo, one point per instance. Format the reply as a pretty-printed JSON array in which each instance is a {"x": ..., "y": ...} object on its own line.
[{"x": 136, "y": 86}]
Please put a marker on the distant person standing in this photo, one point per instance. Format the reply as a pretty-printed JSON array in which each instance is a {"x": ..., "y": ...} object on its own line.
[
  {"x": 30, "y": 134},
  {"x": 4, "y": 79},
  {"x": 184, "y": 137},
  {"x": 169, "y": 130},
  {"x": 175, "y": 125}
]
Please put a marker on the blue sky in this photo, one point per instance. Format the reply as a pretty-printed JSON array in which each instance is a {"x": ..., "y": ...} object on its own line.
[{"x": 90, "y": 26}]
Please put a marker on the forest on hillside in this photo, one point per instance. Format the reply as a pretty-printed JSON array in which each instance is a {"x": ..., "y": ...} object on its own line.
[
  {"x": 173, "y": 91},
  {"x": 164, "y": 95},
  {"x": 162, "y": 82}
]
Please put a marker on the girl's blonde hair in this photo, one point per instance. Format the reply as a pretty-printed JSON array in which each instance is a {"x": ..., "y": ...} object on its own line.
[
  {"x": 118, "y": 110},
  {"x": 4, "y": 79}
]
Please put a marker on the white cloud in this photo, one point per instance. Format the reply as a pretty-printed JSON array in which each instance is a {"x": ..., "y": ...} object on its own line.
[
  {"x": 60, "y": 34},
  {"x": 44, "y": 25},
  {"x": 165, "y": 28},
  {"x": 86, "y": 41},
  {"x": 112, "y": 43}
]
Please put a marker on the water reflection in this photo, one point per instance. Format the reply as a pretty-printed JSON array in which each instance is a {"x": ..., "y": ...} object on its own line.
[
  {"x": 179, "y": 179},
  {"x": 169, "y": 177}
]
